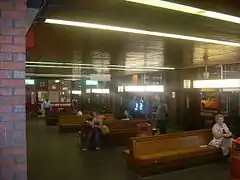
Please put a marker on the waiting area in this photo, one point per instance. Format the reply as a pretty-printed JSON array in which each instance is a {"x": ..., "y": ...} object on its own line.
[
  {"x": 56, "y": 156},
  {"x": 119, "y": 90}
]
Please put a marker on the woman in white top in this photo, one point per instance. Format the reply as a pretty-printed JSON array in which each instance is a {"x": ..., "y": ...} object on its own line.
[{"x": 221, "y": 135}]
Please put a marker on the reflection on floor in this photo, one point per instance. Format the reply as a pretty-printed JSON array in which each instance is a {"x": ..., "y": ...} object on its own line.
[{"x": 52, "y": 156}]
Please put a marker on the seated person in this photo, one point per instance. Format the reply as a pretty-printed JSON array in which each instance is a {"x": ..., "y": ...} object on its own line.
[
  {"x": 222, "y": 137},
  {"x": 95, "y": 123},
  {"x": 79, "y": 112},
  {"x": 102, "y": 116},
  {"x": 127, "y": 116}
]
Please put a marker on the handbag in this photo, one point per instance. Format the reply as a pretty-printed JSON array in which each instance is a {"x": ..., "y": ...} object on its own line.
[
  {"x": 215, "y": 143},
  {"x": 105, "y": 129}
]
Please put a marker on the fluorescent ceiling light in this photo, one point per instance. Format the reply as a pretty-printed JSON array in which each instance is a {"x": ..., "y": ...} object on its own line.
[
  {"x": 218, "y": 83},
  {"x": 231, "y": 89},
  {"x": 147, "y": 88},
  {"x": 188, "y": 9},
  {"x": 55, "y": 75},
  {"x": 97, "y": 65},
  {"x": 137, "y": 31},
  {"x": 79, "y": 67}
]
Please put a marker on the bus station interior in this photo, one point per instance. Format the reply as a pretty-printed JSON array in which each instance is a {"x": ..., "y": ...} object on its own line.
[{"x": 112, "y": 56}]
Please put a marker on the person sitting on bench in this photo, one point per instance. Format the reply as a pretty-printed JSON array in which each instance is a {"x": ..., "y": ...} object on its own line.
[
  {"x": 222, "y": 137},
  {"x": 95, "y": 123},
  {"x": 127, "y": 116}
]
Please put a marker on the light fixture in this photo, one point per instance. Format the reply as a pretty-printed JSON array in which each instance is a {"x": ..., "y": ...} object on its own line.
[
  {"x": 79, "y": 67},
  {"x": 137, "y": 31},
  {"x": 98, "y": 91},
  {"x": 231, "y": 90},
  {"x": 147, "y": 88},
  {"x": 77, "y": 92},
  {"x": 55, "y": 75},
  {"x": 218, "y": 83},
  {"x": 96, "y": 65},
  {"x": 188, "y": 9}
]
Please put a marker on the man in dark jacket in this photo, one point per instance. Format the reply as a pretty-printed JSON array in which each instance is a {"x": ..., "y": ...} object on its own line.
[{"x": 161, "y": 117}]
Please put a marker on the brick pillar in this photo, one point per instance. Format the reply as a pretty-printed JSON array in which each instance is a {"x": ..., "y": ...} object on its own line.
[{"x": 13, "y": 163}]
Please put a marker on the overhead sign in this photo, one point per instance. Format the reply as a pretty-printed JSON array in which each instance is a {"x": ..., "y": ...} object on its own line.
[
  {"x": 100, "y": 77},
  {"x": 29, "y": 81},
  {"x": 217, "y": 83},
  {"x": 91, "y": 82},
  {"x": 186, "y": 84}
]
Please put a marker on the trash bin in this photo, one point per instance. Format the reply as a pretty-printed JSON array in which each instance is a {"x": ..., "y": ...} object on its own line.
[{"x": 235, "y": 160}]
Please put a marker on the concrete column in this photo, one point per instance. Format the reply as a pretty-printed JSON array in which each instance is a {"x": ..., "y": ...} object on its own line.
[
  {"x": 117, "y": 58},
  {"x": 13, "y": 163}
]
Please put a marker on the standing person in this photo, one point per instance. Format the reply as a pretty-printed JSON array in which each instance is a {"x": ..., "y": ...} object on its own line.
[
  {"x": 222, "y": 136},
  {"x": 96, "y": 123},
  {"x": 161, "y": 117},
  {"x": 47, "y": 107}
]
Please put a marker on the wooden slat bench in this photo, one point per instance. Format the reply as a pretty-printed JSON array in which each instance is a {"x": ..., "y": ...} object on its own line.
[
  {"x": 53, "y": 118},
  {"x": 120, "y": 131},
  {"x": 70, "y": 123},
  {"x": 73, "y": 123},
  {"x": 160, "y": 153}
]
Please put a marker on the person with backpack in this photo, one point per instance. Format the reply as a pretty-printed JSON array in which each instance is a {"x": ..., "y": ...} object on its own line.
[{"x": 161, "y": 117}]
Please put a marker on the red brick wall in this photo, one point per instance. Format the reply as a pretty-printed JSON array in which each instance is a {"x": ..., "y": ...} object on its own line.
[{"x": 13, "y": 163}]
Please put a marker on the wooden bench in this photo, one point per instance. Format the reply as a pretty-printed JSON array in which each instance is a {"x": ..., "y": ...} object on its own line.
[
  {"x": 53, "y": 117},
  {"x": 70, "y": 123},
  {"x": 73, "y": 123},
  {"x": 120, "y": 131},
  {"x": 160, "y": 153}
]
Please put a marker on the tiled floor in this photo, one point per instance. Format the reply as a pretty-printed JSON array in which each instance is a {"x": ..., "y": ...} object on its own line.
[{"x": 53, "y": 156}]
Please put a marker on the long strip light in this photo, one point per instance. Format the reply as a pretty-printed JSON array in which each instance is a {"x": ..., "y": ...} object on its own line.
[
  {"x": 218, "y": 83},
  {"x": 138, "y": 31},
  {"x": 98, "y": 91},
  {"x": 147, "y": 88},
  {"x": 188, "y": 9},
  {"x": 55, "y": 75},
  {"x": 97, "y": 65},
  {"x": 71, "y": 67}
]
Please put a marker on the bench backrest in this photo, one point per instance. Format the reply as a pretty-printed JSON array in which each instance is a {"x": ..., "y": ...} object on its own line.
[
  {"x": 74, "y": 119},
  {"x": 109, "y": 117},
  {"x": 162, "y": 143},
  {"x": 119, "y": 125},
  {"x": 71, "y": 120}
]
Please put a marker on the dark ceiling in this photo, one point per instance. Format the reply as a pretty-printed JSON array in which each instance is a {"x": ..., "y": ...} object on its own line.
[{"x": 60, "y": 43}]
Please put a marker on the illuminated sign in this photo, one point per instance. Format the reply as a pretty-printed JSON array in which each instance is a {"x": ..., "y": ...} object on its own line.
[
  {"x": 91, "y": 83},
  {"x": 217, "y": 83},
  {"x": 29, "y": 81}
]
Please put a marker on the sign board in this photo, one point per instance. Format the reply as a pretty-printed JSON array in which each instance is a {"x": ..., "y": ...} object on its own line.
[
  {"x": 91, "y": 82},
  {"x": 29, "y": 82},
  {"x": 100, "y": 77},
  {"x": 186, "y": 84}
]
